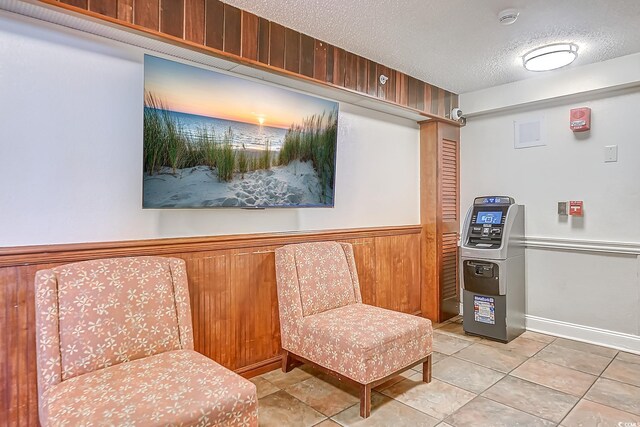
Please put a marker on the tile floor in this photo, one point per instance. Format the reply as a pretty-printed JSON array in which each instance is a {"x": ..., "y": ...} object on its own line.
[{"x": 535, "y": 380}]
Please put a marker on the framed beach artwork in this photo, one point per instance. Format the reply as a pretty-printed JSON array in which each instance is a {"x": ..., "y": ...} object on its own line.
[{"x": 212, "y": 140}]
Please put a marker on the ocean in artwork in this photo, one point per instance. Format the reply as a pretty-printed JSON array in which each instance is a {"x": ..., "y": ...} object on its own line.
[{"x": 249, "y": 135}]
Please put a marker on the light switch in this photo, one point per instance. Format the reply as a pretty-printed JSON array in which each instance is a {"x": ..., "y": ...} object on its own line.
[{"x": 611, "y": 153}]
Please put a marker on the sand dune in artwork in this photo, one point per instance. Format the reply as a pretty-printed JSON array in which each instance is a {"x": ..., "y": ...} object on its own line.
[{"x": 294, "y": 184}]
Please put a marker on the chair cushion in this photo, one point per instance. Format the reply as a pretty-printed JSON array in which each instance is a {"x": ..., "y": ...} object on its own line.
[
  {"x": 115, "y": 310},
  {"x": 324, "y": 277},
  {"x": 174, "y": 388},
  {"x": 363, "y": 342}
]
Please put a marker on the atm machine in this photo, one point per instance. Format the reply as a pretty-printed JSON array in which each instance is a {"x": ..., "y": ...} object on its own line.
[{"x": 492, "y": 268}]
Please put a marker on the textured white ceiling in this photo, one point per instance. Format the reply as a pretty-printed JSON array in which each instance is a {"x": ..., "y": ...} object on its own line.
[{"x": 459, "y": 44}]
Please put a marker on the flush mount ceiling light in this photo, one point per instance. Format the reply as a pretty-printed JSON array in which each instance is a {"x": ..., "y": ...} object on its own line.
[{"x": 550, "y": 57}]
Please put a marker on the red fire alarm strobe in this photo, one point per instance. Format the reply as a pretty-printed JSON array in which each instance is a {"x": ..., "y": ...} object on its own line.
[
  {"x": 580, "y": 119},
  {"x": 575, "y": 208}
]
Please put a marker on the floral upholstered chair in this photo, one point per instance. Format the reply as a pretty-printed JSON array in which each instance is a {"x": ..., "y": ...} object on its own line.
[
  {"x": 115, "y": 347},
  {"x": 324, "y": 322}
]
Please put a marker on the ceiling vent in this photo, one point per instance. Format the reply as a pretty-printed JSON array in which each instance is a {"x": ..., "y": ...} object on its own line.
[{"x": 508, "y": 16}]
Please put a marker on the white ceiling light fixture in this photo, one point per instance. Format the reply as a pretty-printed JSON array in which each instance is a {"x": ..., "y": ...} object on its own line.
[{"x": 550, "y": 57}]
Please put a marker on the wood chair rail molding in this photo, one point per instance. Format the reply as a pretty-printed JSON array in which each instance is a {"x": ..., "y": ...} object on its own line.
[
  {"x": 71, "y": 252},
  {"x": 224, "y": 31},
  {"x": 232, "y": 286}
]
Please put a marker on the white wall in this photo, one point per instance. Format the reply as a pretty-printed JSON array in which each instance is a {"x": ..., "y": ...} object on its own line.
[
  {"x": 71, "y": 152},
  {"x": 581, "y": 282}
]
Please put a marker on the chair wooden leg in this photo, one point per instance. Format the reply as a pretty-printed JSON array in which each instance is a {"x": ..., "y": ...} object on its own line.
[
  {"x": 365, "y": 400},
  {"x": 426, "y": 370},
  {"x": 287, "y": 362}
]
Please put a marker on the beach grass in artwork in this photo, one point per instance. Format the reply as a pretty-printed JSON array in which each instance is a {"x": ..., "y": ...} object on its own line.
[{"x": 213, "y": 140}]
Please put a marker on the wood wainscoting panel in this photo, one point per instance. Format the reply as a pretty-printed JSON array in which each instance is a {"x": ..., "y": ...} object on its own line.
[
  {"x": 291, "y": 50},
  {"x": 253, "y": 290},
  {"x": 104, "y": 7},
  {"x": 194, "y": 21},
  {"x": 307, "y": 51},
  {"x": 250, "y": 38},
  {"x": 214, "y": 24},
  {"x": 364, "y": 252},
  {"x": 146, "y": 14},
  {"x": 276, "y": 45},
  {"x": 232, "y": 30},
  {"x": 398, "y": 273},
  {"x": 264, "y": 40},
  {"x": 320, "y": 61},
  {"x": 125, "y": 11},
  {"x": 77, "y": 3},
  {"x": 172, "y": 17},
  {"x": 232, "y": 286},
  {"x": 209, "y": 283}
]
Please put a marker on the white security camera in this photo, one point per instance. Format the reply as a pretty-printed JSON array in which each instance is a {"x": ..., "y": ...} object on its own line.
[
  {"x": 383, "y": 79},
  {"x": 456, "y": 114}
]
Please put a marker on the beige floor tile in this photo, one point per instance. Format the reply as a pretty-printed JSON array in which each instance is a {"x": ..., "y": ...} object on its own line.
[
  {"x": 327, "y": 423},
  {"x": 524, "y": 346},
  {"x": 626, "y": 372},
  {"x": 532, "y": 398},
  {"x": 401, "y": 377},
  {"x": 263, "y": 386},
  {"x": 485, "y": 412},
  {"x": 282, "y": 380},
  {"x": 385, "y": 412},
  {"x": 457, "y": 330},
  {"x": 443, "y": 424},
  {"x": 280, "y": 409},
  {"x": 538, "y": 337},
  {"x": 323, "y": 396},
  {"x": 435, "y": 358},
  {"x": 575, "y": 359},
  {"x": 555, "y": 376},
  {"x": 592, "y": 414},
  {"x": 615, "y": 394},
  {"x": 466, "y": 375},
  {"x": 436, "y": 399},
  {"x": 349, "y": 388},
  {"x": 452, "y": 327},
  {"x": 628, "y": 357},
  {"x": 435, "y": 325},
  {"x": 586, "y": 347},
  {"x": 448, "y": 344},
  {"x": 494, "y": 358},
  {"x": 456, "y": 319}
]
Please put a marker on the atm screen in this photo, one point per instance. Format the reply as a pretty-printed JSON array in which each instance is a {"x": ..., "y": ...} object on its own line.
[{"x": 489, "y": 217}]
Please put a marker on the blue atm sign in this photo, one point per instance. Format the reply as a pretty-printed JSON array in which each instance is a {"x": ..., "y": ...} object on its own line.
[{"x": 484, "y": 309}]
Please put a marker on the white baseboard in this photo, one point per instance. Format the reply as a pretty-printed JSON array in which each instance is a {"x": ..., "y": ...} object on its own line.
[{"x": 588, "y": 334}]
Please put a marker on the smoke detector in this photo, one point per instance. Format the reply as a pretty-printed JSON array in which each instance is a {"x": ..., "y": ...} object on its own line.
[{"x": 508, "y": 16}]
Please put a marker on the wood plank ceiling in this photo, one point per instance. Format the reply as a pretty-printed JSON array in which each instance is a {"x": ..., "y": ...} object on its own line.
[{"x": 231, "y": 33}]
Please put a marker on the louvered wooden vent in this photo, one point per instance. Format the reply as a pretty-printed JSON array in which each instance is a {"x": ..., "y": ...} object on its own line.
[
  {"x": 449, "y": 289},
  {"x": 449, "y": 180}
]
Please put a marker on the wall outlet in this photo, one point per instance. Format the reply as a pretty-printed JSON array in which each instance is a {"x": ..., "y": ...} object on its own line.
[{"x": 611, "y": 153}]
